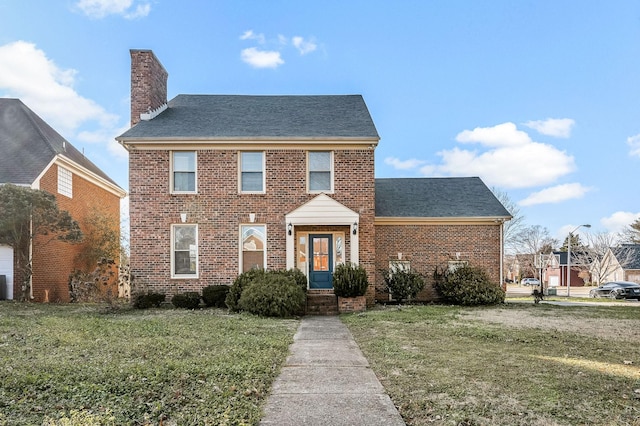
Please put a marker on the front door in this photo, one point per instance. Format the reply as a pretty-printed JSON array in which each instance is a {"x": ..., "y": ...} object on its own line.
[{"x": 321, "y": 264}]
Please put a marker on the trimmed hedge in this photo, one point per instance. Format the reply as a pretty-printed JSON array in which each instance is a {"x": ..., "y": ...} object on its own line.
[
  {"x": 350, "y": 280},
  {"x": 188, "y": 300},
  {"x": 273, "y": 295},
  {"x": 215, "y": 295},
  {"x": 148, "y": 300},
  {"x": 402, "y": 284},
  {"x": 239, "y": 284},
  {"x": 468, "y": 286}
]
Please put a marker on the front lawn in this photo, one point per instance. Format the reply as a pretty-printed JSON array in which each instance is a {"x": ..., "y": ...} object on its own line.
[
  {"x": 75, "y": 364},
  {"x": 513, "y": 364}
]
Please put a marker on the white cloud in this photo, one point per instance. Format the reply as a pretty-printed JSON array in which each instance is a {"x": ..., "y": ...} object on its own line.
[
  {"x": 26, "y": 73},
  {"x": 618, "y": 221},
  {"x": 250, "y": 35},
  {"x": 634, "y": 144},
  {"x": 556, "y": 194},
  {"x": 396, "y": 163},
  {"x": 505, "y": 134},
  {"x": 510, "y": 160},
  {"x": 556, "y": 127},
  {"x": 304, "y": 46},
  {"x": 261, "y": 58},
  {"x": 98, "y": 9}
]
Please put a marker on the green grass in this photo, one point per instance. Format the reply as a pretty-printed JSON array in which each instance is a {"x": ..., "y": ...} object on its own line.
[
  {"x": 77, "y": 365},
  {"x": 443, "y": 365}
]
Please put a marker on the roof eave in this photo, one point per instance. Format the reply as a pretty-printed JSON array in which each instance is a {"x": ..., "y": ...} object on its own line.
[{"x": 467, "y": 220}]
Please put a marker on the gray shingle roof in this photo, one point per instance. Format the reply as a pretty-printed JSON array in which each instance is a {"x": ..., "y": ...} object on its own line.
[
  {"x": 240, "y": 116},
  {"x": 629, "y": 255},
  {"x": 436, "y": 198},
  {"x": 28, "y": 145}
]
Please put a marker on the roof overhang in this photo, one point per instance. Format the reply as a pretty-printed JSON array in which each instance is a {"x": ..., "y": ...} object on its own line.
[
  {"x": 84, "y": 172},
  {"x": 246, "y": 143},
  {"x": 484, "y": 220}
]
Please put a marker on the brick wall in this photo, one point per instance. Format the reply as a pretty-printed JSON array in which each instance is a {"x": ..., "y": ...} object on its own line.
[
  {"x": 148, "y": 83},
  {"x": 429, "y": 246},
  {"x": 219, "y": 210},
  {"x": 55, "y": 260}
]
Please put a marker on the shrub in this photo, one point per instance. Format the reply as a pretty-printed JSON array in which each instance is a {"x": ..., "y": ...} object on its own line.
[
  {"x": 148, "y": 300},
  {"x": 402, "y": 284},
  {"x": 241, "y": 282},
  {"x": 188, "y": 300},
  {"x": 273, "y": 295},
  {"x": 215, "y": 295},
  {"x": 298, "y": 276},
  {"x": 468, "y": 286},
  {"x": 350, "y": 280}
]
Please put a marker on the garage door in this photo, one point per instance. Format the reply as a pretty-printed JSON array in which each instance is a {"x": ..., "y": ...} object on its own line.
[{"x": 6, "y": 268}]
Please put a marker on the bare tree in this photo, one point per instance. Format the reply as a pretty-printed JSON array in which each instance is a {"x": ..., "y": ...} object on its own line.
[
  {"x": 632, "y": 233},
  {"x": 513, "y": 226},
  {"x": 603, "y": 256},
  {"x": 531, "y": 241}
]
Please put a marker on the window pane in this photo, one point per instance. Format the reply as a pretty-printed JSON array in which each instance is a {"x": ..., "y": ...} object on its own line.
[
  {"x": 320, "y": 161},
  {"x": 184, "y": 181},
  {"x": 252, "y": 181},
  {"x": 185, "y": 237},
  {"x": 252, "y": 161},
  {"x": 184, "y": 161},
  {"x": 253, "y": 246},
  {"x": 319, "y": 181},
  {"x": 185, "y": 250}
]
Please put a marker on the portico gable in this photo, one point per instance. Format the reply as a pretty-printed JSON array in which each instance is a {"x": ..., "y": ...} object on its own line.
[{"x": 321, "y": 211}]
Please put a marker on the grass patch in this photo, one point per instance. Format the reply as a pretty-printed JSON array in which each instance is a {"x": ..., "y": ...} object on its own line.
[
  {"x": 73, "y": 364},
  {"x": 513, "y": 364}
]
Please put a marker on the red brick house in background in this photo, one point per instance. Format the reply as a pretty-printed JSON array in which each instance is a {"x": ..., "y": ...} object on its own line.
[
  {"x": 220, "y": 184},
  {"x": 36, "y": 156}
]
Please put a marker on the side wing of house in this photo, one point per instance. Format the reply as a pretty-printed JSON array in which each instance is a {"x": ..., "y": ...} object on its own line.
[{"x": 438, "y": 223}]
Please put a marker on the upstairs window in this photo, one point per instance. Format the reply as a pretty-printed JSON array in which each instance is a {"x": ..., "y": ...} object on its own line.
[
  {"x": 184, "y": 256},
  {"x": 320, "y": 165},
  {"x": 252, "y": 172},
  {"x": 183, "y": 173},
  {"x": 65, "y": 182}
]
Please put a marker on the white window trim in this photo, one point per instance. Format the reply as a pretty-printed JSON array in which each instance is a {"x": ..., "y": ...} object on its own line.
[
  {"x": 171, "y": 172},
  {"x": 264, "y": 173},
  {"x": 331, "y": 173},
  {"x": 172, "y": 253},
  {"x": 65, "y": 182},
  {"x": 264, "y": 254}
]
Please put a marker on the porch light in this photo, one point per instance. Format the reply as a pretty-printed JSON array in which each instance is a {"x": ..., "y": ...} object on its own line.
[
  {"x": 289, "y": 228},
  {"x": 355, "y": 228}
]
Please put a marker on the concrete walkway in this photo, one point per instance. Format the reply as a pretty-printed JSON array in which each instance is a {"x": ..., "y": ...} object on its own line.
[{"x": 327, "y": 381}]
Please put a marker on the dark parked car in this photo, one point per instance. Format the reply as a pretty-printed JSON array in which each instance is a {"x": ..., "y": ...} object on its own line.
[{"x": 617, "y": 290}]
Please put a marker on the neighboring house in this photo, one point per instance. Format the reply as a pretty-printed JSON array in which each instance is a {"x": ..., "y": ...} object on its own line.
[
  {"x": 621, "y": 264},
  {"x": 556, "y": 271},
  {"x": 34, "y": 155},
  {"x": 220, "y": 184}
]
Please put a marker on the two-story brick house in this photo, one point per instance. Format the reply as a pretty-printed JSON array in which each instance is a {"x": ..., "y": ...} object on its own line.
[
  {"x": 34, "y": 155},
  {"x": 220, "y": 184}
]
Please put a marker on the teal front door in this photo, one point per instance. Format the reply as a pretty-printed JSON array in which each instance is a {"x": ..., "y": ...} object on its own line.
[{"x": 321, "y": 265}]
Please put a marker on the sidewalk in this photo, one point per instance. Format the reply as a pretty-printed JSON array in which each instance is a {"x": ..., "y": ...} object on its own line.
[{"x": 327, "y": 381}]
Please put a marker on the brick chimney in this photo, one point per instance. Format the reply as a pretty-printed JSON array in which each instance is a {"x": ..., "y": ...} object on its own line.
[{"x": 148, "y": 85}]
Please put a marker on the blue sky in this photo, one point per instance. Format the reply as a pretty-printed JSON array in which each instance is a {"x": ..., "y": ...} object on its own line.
[{"x": 538, "y": 98}]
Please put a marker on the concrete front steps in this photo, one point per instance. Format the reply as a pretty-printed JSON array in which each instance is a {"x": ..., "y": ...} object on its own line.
[{"x": 321, "y": 302}]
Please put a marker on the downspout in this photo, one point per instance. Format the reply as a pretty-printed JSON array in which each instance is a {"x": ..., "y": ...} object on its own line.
[
  {"x": 30, "y": 260},
  {"x": 502, "y": 254}
]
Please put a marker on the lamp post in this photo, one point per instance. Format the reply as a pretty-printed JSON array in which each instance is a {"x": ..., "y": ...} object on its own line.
[{"x": 569, "y": 257}]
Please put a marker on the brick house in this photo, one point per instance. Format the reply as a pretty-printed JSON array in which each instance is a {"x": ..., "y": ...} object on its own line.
[
  {"x": 36, "y": 156},
  {"x": 220, "y": 184}
]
